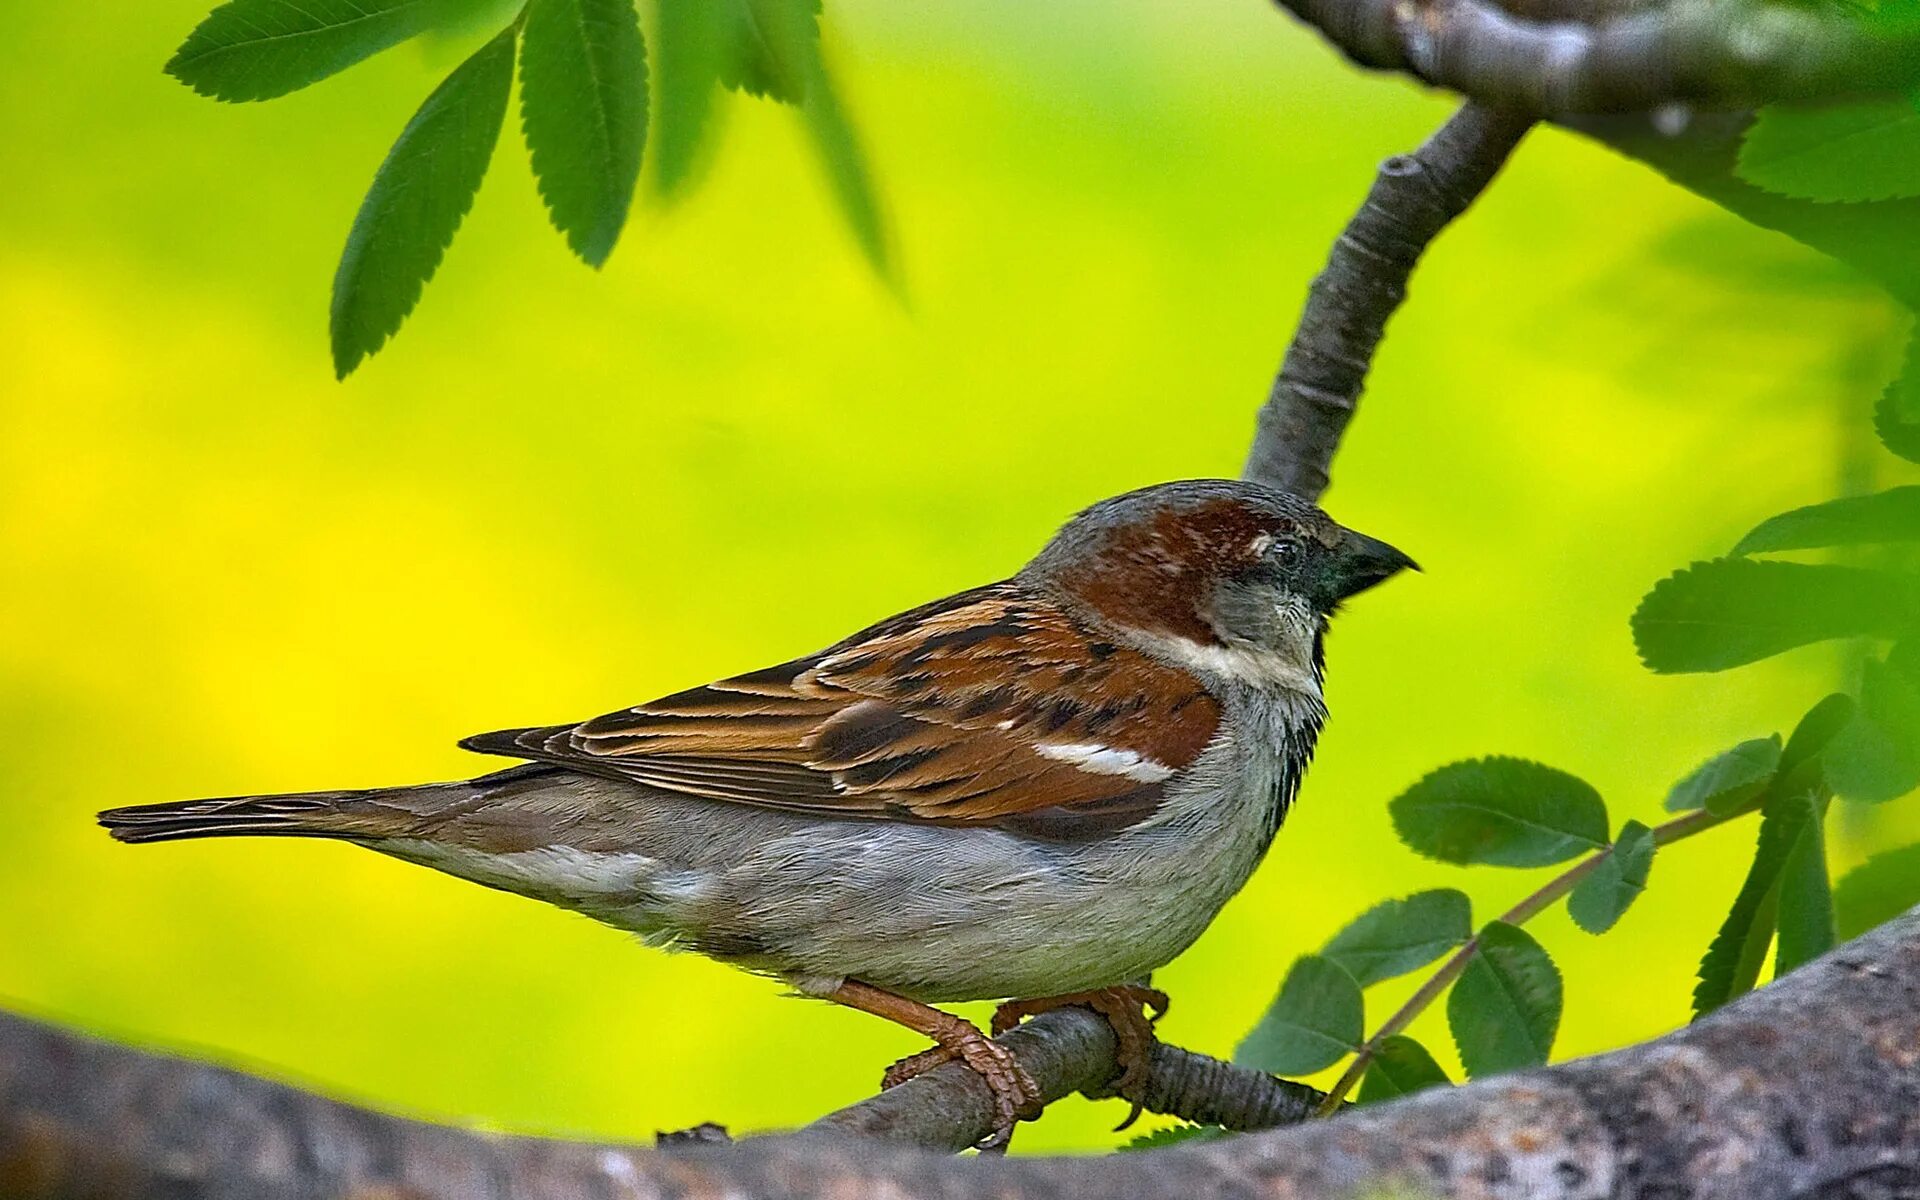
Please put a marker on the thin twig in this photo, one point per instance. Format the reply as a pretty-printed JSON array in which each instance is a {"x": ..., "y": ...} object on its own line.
[
  {"x": 1414, "y": 197},
  {"x": 1664, "y": 834}
]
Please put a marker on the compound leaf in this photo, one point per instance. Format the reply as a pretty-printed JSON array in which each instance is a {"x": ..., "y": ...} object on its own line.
[
  {"x": 259, "y": 49},
  {"x": 1316, "y": 1020},
  {"x": 1600, "y": 899},
  {"x": 419, "y": 197},
  {"x": 1890, "y": 516},
  {"x": 1849, "y": 150},
  {"x": 1877, "y": 891},
  {"x": 1732, "y": 611},
  {"x": 1397, "y": 936},
  {"x": 1728, "y": 780},
  {"x": 583, "y": 108},
  {"x": 1400, "y": 1067},
  {"x": 1506, "y": 812},
  {"x": 1732, "y": 963},
  {"x": 1505, "y": 1008}
]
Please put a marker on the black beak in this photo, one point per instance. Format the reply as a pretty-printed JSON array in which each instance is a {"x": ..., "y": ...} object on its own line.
[{"x": 1358, "y": 563}]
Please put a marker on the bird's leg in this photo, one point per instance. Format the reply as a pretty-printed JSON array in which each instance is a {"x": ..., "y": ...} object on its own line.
[
  {"x": 1131, "y": 1008},
  {"x": 1015, "y": 1096}
]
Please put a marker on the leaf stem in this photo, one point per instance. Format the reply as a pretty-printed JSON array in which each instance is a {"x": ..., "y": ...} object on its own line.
[{"x": 1678, "y": 829}]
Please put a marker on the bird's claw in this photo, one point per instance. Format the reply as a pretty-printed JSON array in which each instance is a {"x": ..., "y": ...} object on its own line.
[
  {"x": 1132, "y": 1009},
  {"x": 1015, "y": 1095}
]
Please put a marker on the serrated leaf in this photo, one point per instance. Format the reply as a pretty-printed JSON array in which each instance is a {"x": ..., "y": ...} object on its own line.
[
  {"x": 1505, "y": 1008},
  {"x": 781, "y": 59},
  {"x": 1803, "y": 764},
  {"x": 583, "y": 108},
  {"x": 1600, "y": 899},
  {"x": 691, "y": 42},
  {"x": 419, "y": 197},
  {"x": 1506, "y": 812},
  {"x": 1732, "y": 963},
  {"x": 1400, "y": 1067},
  {"x": 1174, "y": 1135},
  {"x": 1836, "y": 151},
  {"x": 1890, "y": 516},
  {"x": 1875, "y": 757},
  {"x": 1730, "y": 780},
  {"x": 1397, "y": 936},
  {"x": 1316, "y": 1020},
  {"x": 1896, "y": 418},
  {"x": 1806, "y": 925},
  {"x": 1732, "y": 611},
  {"x": 845, "y": 163},
  {"x": 1877, "y": 891},
  {"x": 259, "y": 49},
  {"x": 775, "y": 44}
]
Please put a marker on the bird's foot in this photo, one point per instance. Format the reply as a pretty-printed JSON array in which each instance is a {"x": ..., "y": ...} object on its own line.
[
  {"x": 1130, "y": 1008},
  {"x": 1015, "y": 1095}
]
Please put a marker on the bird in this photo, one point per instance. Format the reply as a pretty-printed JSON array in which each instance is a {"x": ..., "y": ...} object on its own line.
[{"x": 1036, "y": 791}]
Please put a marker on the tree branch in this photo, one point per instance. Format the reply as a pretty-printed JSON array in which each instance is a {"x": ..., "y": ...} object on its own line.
[
  {"x": 1808, "y": 1087},
  {"x": 1066, "y": 1051},
  {"x": 1568, "y": 56},
  {"x": 1414, "y": 197}
]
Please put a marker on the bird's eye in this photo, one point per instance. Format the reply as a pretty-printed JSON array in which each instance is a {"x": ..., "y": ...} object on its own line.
[{"x": 1286, "y": 552}]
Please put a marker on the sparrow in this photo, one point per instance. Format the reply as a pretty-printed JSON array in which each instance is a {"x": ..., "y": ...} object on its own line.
[{"x": 1036, "y": 791}]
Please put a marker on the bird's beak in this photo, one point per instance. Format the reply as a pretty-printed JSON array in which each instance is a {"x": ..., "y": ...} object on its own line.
[{"x": 1358, "y": 563}]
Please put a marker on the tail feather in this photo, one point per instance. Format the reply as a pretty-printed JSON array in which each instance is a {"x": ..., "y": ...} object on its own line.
[{"x": 303, "y": 814}]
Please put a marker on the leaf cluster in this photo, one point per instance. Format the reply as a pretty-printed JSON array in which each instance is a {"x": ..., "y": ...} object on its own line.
[{"x": 587, "y": 106}]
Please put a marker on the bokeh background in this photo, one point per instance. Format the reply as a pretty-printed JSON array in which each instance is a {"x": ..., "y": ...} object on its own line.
[{"x": 561, "y": 492}]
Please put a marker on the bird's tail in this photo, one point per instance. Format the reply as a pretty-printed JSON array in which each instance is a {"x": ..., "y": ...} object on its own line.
[{"x": 347, "y": 814}]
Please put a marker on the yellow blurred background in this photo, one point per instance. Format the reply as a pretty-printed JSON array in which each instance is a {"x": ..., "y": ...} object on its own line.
[{"x": 560, "y": 492}]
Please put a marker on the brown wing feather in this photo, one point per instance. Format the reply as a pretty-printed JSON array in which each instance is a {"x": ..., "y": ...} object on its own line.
[{"x": 990, "y": 707}]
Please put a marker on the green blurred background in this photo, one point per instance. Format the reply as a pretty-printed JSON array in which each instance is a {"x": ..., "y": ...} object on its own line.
[{"x": 561, "y": 492}]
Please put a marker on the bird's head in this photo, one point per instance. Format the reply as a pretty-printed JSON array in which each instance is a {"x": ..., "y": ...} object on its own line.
[{"x": 1232, "y": 580}]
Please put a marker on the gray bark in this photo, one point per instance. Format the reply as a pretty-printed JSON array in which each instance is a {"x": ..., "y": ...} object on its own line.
[
  {"x": 1560, "y": 57},
  {"x": 1413, "y": 198},
  {"x": 1807, "y": 1088}
]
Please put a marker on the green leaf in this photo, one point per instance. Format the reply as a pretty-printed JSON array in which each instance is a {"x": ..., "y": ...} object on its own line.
[
  {"x": 1890, "y": 516},
  {"x": 1803, "y": 764},
  {"x": 1400, "y": 1067},
  {"x": 1877, "y": 891},
  {"x": 775, "y": 43},
  {"x": 1732, "y": 963},
  {"x": 1397, "y": 936},
  {"x": 583, "y": 107},
  {"x": 1602, "y": 897},
  {"x": 259, "y": 49},
  {"x": 1505, "y": 1008},
  {"x": 1806, "y": 898},
  {"x": 1849, "y": 151},
  {"x": 691, "y": 41},
  {"x": 1897, "y": 417},
  {"x": 1173, "y": 1135},
  {"x": 780, "y": 57},
  {"x": 1875, "y": 757},
  {"x": 419, "y": 197},
  {"x": 1732, "y": 611},
  {"x": 1730, "y": 780},
  {"x": 1503, "y": 811},
  {"x": 1316, "y": 1020}
]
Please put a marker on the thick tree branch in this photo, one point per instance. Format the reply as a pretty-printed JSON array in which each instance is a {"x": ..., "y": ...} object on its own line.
[
  {"x": 1414, "y": 197},
  {"x": 1566, "y": 56},
  {"x": 1807, "y": 1088}
]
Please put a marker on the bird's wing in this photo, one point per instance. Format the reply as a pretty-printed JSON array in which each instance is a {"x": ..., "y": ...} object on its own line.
[{"x": 993, "y": 707}]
